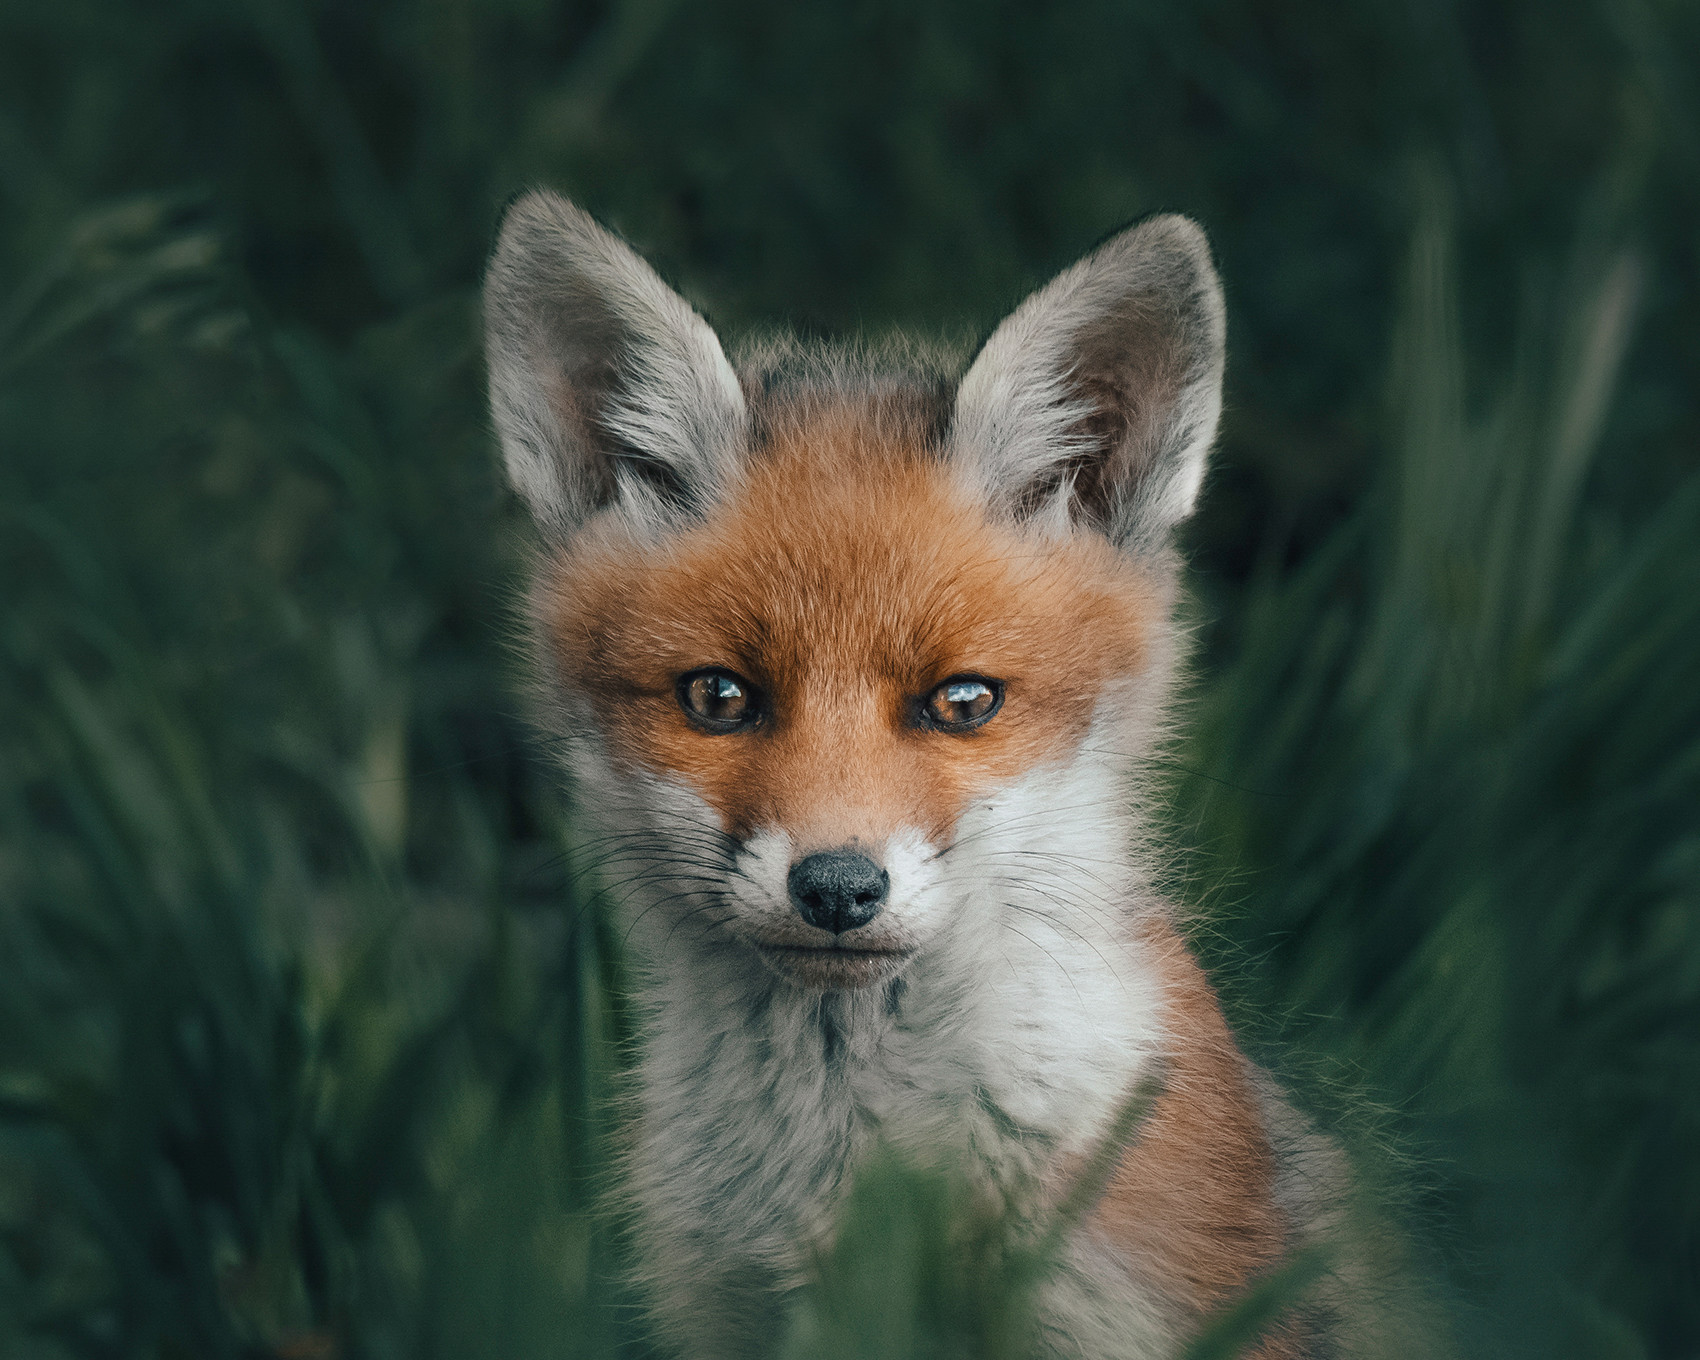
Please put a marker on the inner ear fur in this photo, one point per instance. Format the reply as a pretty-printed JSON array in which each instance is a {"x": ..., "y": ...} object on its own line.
[
  {"x": 1095, "y": 402},
  {"x": 606, "y": 387}
]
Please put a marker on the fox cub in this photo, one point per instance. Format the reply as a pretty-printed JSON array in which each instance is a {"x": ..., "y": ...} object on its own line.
[{"x": 854, "y": 658}]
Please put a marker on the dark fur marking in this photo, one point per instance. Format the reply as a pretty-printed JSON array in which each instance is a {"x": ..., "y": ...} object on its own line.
[
  {"x": 911, "y": 396},
  {"x": 831, "y": 1034},
  {"x": 666, "y": 482},
  {"x": 1008, "y": 1125}
]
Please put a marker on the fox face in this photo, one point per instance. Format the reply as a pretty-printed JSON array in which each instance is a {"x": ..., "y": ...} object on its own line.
[
  {"x": 843, "y": 649},
  {"x": 831, "y": 670}
]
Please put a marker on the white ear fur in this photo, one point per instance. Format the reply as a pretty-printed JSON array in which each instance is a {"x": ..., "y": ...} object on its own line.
[
  {"x": 607, "y": 389},
  {"x": 1097, "y": 399}
]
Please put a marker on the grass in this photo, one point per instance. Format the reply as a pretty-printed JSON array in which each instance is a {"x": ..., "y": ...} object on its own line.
[{"x": 306, "y": 1027}]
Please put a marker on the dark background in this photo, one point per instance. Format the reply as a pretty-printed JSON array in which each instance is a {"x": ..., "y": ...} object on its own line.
[{"x": 304, "y": 1018}]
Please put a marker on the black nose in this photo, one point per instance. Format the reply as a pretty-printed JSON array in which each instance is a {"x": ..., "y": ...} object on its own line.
[{"x": 838, "y": 890}]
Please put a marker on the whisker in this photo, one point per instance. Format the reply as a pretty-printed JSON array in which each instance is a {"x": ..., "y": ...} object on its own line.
[{"x": 1052, "y": 957}]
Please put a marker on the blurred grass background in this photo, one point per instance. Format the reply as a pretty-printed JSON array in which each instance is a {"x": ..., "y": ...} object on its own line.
[{"x": 303, "y": 1016}]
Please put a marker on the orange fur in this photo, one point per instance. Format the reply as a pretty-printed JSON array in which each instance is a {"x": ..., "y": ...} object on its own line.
[
  {"x": 847, "y": 578},
  {"x": 1191, "y": 1203}
]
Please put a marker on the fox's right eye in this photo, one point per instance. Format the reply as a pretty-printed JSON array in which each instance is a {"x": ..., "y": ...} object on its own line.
[{"x": 718, "y": 701}]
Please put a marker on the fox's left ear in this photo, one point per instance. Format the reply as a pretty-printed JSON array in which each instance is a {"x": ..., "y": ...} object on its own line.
[{"x": 1096, "y": 401}]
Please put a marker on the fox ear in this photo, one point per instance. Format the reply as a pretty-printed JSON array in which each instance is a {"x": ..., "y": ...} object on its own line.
[
  {"x": 1096, "y": 400},
  {"x": 607, "y": 389}
]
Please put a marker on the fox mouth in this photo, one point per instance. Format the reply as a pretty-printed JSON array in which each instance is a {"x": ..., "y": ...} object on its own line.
[{"x": 833, "y": 967}]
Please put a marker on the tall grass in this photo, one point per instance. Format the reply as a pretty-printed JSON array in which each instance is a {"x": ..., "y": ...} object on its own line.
[
  {"x": 1461, "y": 748},
  {"x": 307, "y": 1027}
]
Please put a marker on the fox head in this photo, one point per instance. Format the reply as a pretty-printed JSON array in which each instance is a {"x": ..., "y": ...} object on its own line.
[{"x": 853, "y": 656}]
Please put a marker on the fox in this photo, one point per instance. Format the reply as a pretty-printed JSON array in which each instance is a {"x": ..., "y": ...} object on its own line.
[{"x": 856, "y": 657}]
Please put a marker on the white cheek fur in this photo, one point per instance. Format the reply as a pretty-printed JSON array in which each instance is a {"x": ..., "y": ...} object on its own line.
[{"x": 657, "y": 851}]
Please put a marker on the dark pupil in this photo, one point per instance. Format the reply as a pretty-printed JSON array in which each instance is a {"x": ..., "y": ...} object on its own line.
[
  {"x": 719, "y": 697},
  {"x": 960, "y": 701}
]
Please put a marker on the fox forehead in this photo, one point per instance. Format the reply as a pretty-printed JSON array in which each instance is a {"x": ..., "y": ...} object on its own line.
[{"x": 848, "y": 573}]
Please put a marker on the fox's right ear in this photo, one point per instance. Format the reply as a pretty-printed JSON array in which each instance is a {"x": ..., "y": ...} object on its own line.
[{"x": 606, "y": 387}]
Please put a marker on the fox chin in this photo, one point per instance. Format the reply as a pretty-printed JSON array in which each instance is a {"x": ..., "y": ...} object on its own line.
[{"x": 855, "y": 656}]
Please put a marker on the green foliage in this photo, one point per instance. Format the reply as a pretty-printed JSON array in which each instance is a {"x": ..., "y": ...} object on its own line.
[
  {"x": 918, "y": 1268},
  {"x": 306, "y": 1030},
  {"x": 1462, "y": 746}
]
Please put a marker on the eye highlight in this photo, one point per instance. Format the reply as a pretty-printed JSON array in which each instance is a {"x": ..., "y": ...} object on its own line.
[
  {"x": 719, "y": 701},
  {"x": 961, "y": 703}
]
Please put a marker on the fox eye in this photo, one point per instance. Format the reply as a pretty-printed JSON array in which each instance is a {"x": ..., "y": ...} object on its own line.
[
  {"x": 719, "y": 701},
  {"x": 961, "y": 702}
]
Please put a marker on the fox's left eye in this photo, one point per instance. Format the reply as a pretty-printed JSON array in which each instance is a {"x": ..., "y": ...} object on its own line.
[
  {"x": 719, "y": 701},
  {"x": 961, "y": 702}
]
